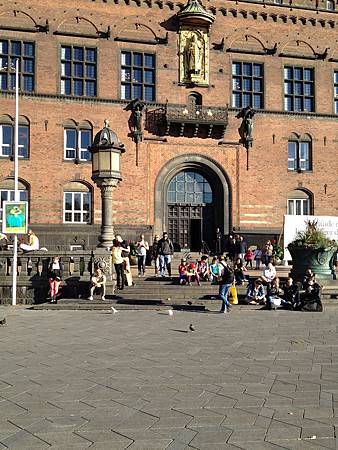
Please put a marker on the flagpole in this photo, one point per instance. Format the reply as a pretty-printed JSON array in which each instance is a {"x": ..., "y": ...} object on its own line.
[{"x": 16, "y": 178}]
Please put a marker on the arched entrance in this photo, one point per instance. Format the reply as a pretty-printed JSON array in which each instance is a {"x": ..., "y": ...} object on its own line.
[{"x": 192, "y": 198}]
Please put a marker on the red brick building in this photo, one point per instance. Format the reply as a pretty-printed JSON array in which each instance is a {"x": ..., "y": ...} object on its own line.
[{"x": 194, "y": 68}]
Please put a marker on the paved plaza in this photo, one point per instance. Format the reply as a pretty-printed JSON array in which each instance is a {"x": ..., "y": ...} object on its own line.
[{"x": 253, "y": 380}]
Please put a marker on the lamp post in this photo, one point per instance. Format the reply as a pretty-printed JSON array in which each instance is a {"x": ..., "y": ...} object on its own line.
[
  {"x": 16, "y": 172},
  {"x": 106, "y": 154}
]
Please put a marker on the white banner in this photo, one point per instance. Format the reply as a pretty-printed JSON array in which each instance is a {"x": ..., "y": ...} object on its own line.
[{"x": 293, "y": 224}]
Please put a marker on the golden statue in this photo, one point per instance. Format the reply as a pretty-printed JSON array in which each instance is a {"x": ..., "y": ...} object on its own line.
[
  {"x": 194, "y": 55},
  {"x": 194, "y": 67}
]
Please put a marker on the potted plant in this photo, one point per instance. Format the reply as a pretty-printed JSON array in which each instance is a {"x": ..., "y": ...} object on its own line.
[
  {"x": 312, "y": 249},
  {"x": 277, "y": 254}
]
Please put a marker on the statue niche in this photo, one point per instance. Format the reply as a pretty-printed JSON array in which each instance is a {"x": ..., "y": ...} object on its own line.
[{"x": 194, "y": 56}]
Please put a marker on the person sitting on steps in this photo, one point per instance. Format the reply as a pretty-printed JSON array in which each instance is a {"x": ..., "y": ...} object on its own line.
[
  {"x": 98, "y": 281},
  {"x": 183, "y": 271}
]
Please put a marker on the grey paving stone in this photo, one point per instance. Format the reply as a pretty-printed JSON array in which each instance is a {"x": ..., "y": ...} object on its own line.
[
  {"x": 210, "y": 436},
  {"x": 23, "y": 440},
  {"x": 249, "y": 434},
  {"x": 152, "y": 386}
]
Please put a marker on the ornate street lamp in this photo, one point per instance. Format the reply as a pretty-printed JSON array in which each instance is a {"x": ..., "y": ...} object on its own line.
[{"x": 106, "y": 153}]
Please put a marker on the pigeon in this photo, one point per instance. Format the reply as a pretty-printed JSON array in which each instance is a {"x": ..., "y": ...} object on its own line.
[
  {"x": 3, "y": 321},
  {"x": 191, "y": 327},
  {"x": 170, "y": 312},
  {"x": 113, "y": 310}
]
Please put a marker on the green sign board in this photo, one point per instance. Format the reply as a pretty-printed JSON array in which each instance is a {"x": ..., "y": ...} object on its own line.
[{"x": 15, "y": 217}]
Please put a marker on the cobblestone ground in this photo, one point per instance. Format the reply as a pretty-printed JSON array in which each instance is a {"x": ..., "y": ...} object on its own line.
[{"x": 255, "y": 380}]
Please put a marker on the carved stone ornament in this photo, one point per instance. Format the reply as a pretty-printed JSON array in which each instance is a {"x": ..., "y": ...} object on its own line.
[{"x": 103, "y": 263}]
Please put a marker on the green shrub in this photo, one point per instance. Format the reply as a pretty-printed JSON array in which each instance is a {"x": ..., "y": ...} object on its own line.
[{"x": 312, "y": 237}]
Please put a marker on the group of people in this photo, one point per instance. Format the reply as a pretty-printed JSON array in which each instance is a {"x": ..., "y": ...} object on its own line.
[
  {"x": 267, "y": 290},
  {"x": 27, "y": 244},
  {"x": 270, "y": 292},
  {"x": 237, "y": 248}
]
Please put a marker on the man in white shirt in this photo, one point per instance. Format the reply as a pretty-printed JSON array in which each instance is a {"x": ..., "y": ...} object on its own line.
[{"x": 269, "y": 273}]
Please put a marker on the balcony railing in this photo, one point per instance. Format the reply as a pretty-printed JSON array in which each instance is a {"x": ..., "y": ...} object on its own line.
[{"x": 196, "y": 120}]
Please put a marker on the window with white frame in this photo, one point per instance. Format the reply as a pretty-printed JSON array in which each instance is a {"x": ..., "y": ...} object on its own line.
[
  {"x": 8, "y": 195},
  {"x": 7, "y": 140},
  {"x": 76, "y": 143},
  {"x": 299, "y": 206},
  {"x": 299, "y": 202},
  {"x": 299, "y": 155},
  {"x": 77, "y": 204}
]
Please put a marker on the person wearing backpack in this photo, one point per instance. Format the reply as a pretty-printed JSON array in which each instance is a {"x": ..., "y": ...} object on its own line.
[{"x": 226, "y": 280}]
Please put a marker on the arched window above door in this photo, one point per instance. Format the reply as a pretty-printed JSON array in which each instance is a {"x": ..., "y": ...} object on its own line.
[{"x": 189, "y": 187}]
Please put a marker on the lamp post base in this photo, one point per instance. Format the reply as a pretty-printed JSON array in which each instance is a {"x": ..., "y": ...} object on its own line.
[{"x": 107, "y": 186}]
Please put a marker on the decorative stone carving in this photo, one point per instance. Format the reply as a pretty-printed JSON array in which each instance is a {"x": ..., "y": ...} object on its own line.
[{"x": 246, "y": 127}]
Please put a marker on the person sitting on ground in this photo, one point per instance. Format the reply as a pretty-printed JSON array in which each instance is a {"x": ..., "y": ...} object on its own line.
[
  {"x": 183, "y": 271},
  {"x": 311, "y": 299},
  {"x": 239, "y": 271},
  {"x": 3, "y": 241},
  {"x": 269, "y": 274},
  {"x": 255, "y": 293},
  {"x": 275, "y": 295},
  {"x": 215, "y": 272},
  {"x": 203, "y": 268},
  {"x": 33, "y": 242},
  {"x": 307, "y": 276},
  {"x": 248, "y": 258},
  {"x": 291, "y": 294},
  {"x": 98, "y": 281},
  {"x": 258, "y": 257},
  {"x": 192, "y": 274},
  {"x": 55, "y": 271}
]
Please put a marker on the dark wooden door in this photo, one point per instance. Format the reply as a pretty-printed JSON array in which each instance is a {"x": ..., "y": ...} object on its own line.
[{"x": 179, "y": 223}]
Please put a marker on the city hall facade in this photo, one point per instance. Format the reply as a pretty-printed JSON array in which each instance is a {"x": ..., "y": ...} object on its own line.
[{"x": 227, "y": 111}]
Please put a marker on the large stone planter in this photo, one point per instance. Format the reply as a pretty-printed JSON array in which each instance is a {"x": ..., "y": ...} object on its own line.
[{"x": 316, "y": 259}]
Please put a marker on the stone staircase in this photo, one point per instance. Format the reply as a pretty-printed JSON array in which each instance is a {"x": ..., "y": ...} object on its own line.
[{"x": 164, "y": 293}]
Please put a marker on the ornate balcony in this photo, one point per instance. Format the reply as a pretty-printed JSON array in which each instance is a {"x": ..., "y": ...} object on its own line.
[{"x": 196, "y": 121}]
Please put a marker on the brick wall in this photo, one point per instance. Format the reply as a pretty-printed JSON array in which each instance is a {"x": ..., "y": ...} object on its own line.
[{"x": 259, "y": 195}]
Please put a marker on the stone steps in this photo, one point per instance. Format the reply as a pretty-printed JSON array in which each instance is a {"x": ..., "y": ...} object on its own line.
[{"x": 164, "y": 293}]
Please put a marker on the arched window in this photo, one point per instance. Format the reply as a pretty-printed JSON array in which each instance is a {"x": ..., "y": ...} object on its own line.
[
  {"x": 7, "y": 137},
  {"x": 77, "y": 139},
  {"x": 77, "y": 203},
  {"x": 195, "y": 99},
  {"x": 299, "y": 153},
  {"x": 189, "y": 187},
  {"x": 299, "y": 203},
  {"x": 7, "y": 192}
]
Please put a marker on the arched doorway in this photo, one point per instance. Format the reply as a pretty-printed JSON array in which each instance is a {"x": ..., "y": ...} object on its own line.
[{"x": 192, "y": 198}]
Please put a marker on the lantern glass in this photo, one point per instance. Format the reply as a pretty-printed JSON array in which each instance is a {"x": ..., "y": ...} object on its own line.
[
  {"x": 104, "y": 161},
  {"x": 115, "y": 161},
  {"x": 95, "y": 159}
]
